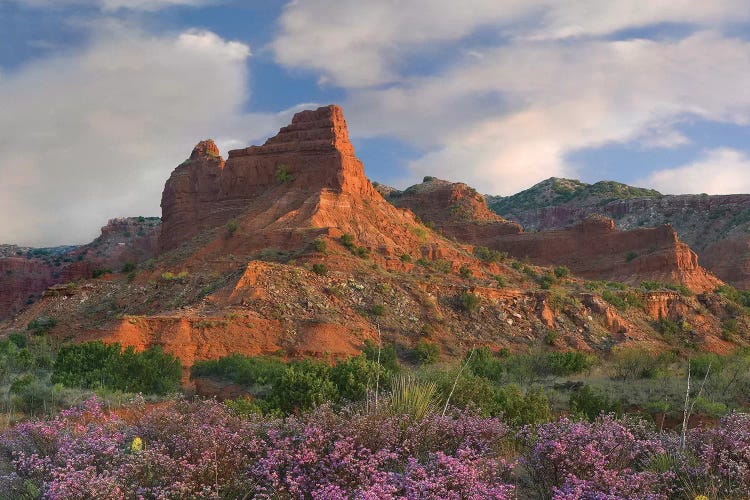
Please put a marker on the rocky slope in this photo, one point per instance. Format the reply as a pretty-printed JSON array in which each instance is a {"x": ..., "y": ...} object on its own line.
[
  {"x": 717, "y": 228},
  {"x": 287, "y": 247},
  {"x": 592, "y": 249},
  {"x": 27, "y": 272}
]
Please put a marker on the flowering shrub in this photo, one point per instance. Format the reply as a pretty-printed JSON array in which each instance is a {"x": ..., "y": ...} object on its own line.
[
  {"x": 606, "y": 459},
  {"x": 203, "y": 449},
  {"x": 717, "y": 461}
]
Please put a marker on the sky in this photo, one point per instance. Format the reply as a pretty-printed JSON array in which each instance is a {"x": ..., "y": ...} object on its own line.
[{"x": 101, "y": 99}]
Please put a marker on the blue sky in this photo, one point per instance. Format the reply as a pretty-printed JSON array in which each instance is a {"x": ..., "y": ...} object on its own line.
[{"x": 102, "y": 98}]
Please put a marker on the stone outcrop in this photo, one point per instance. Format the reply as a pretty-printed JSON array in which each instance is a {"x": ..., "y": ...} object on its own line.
[
  {"x": 303, "y": 183},
  {"x": 312, "y": 155},
  {"x": 595, "y": 249},
  {"x": 454, "y": 209},
  {"x": 717, "y": 228},
  {"x": 25, "y": 273}
]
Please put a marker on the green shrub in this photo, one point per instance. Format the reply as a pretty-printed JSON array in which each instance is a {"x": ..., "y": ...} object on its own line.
[
  {"x": 357, "y": 375},
  {"x": 41, "y": 325},
  {"x": 562, "y": 271},
  {"x": 442, "y": 265},
  {"x": 546, "y": 281},
  {"x": 651, "y": 285},
  {"x": 283, "y": 175},
  {"x": 98, "y": 273},
  {"x": 423, "y": 262},
  {"x": 405, "y": 257},
  {"x": 252, "y": 372},
  {"x": 500, "y": 280},
  {"x": 469, "y": 302},
  {"x": 519, "y": 408},
  {"x": 320, "y": 269},
  {"x": 320, "y": 245},
  {"x": 232, "y": 227},
  {"x": 482, "y": 362},
  {"x": 347, "y": 240},
  {"x": 486, "y": 255},
  {"x": 95, "y": 364},
  {"x": 426, "y": 353},
  {"x": 128, "y": 267},
  {"x": 630, "y": 256},
  {"x": 589, "y": 403},
  {"x": 550, "y": 337},
  {"x": 465, "y": 272},
  {"x": 302, "y": 385},
  {"x": 470, "y": 391},
  {"x": 633, "y": 364},
  {"x": 377, "y": 309},
  {"x": 388, "y": 355}
]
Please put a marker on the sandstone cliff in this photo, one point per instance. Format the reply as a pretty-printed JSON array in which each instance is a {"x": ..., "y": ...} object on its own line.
[
  {"x": 717, "y": 228},
  {"x": 592, "y": 249},
  {"x": 287, "y": 247}
]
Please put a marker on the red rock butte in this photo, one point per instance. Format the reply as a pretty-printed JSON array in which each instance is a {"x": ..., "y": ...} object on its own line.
[{"x": 312, "y": 155}]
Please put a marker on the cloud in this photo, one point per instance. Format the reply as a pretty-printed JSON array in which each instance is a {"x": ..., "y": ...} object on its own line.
[
  {"x": 363, "y": 43},
  {"x": 512, "y": 118},
  {"x": 719, "y": 171},
  {"x": 94, "y": 134},
  {"x": 113, "y": 5},
  {"x": 554, "y": 77}
]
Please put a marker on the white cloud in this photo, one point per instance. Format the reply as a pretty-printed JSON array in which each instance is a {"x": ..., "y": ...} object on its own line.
[
  {"x": 510, "y": 119},
  {"x": 719, "y": 171},
  {"x": 113, "y": 5},
  {"x": 94, "y": 134},
  {"x": 363, "y": 43},
  {"x": 549, "y": 85}
]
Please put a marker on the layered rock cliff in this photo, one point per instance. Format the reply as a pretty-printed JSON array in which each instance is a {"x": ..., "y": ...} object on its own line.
[
  {"x": 454, "y": 209},
  {"x": 592, "y": 249},
  {"x": 717, "y": 228},
  {"x": 25, "y": 273}
]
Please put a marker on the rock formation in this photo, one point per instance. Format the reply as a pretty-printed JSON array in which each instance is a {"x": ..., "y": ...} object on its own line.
[
  {"x": 302, "y": 183},
  {"x": 593, "y": 249},
  {"x": 717, "y": 228},
  {"x": 454, "y": 209},
  {"x": 25, "y": 273}
]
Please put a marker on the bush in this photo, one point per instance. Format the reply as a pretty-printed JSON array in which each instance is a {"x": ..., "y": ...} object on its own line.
[
  {"x": 546, "y": 281},
  {"x": 589, "y": 403},
  {"x": 128, "y": 267},
  {"x": 98, "y": 273},
  {"x": 320, "y": 245},
  {"x": 519, "y": 408},
  {"x": 320, "y": 269},
  {"x": 252, "y": 372},
  {"x": 95, "y": 364},
  {"x": 377, "y": 309},
  {"x": 357, "y": 375},
  {"x": 633, "y": 364},
  {"x": 232, "y": 227},
  {"x": 486, "y": 255},
  {"x": 562, "y": 271},
  {"x": 388, "y": 355},
  {"x": 630, "y": 256},
  {"x": 426, "y": 353},
  {"x": 283, "y": 175},
  {"x": 347, "y": 240},
  {"x": 303, "y": 385},
  {"x": 405, "y": 257},
  {"x": 465, "y": 272},
  {"x": 41, "y": 325},
  {"x": 469, "y": 302}
]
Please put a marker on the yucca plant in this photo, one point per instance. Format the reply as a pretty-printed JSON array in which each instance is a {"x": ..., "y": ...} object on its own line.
[{"x": 412, "y": 397}]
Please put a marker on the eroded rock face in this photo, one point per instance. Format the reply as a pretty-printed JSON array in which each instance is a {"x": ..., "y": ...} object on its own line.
[
  {"x": 311, "y": 155},
  {"x": 595, "y": 249},
  {"x": 715, "y": 227},
  {"x": 26, "y": 273},
  {"x": 22, "y": 280},
  {"x": 455, "y": 209}
]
